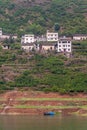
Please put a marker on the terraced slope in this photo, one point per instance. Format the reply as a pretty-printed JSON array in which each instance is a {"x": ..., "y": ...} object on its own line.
[{"x": 49, "y": 72}]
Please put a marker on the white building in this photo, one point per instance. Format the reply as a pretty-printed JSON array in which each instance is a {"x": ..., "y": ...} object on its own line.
[
  {"x": 47, "y": 47},
  {"x": 52, "y": 36},
  {"x": 5, "y": 47},
  {"x": 80, "y": 37},
  {"x": 27, "y": 47},
  {"x": 30, "y": 47},
  {"x": 0, "y": 31},
  {"x": 28, "y": 38},
  {"x": 6, "y": 36},
  {"x": 14, "y": 37},
  {"x": 41, "y": 38},
  {"x": 64, "y": 45}
]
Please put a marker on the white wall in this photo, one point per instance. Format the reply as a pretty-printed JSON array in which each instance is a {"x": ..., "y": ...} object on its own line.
[
  {"x": 29, "y": 38},
  {"x": 79, "y": 37},
  {"x": 5, "y": 36},
  {"x": 28, "y": 48},
  {"x": 52, "y": 36},
  {"x": 47, "y": 47},
  {"x": 0, "y": 32}
]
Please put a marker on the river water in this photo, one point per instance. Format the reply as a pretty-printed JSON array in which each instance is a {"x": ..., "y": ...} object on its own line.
[{"x": 43, "y": 123}]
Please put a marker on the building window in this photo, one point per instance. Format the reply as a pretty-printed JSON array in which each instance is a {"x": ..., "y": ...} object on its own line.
[
  {"x": 29, "y": 48},
  {"x": 50, "y": 48},
  {"x": 68, "y": 41},
  {"x": 63, "y": 41}
]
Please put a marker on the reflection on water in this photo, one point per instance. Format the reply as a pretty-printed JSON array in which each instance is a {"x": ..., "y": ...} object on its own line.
[{"x": 43, "y": 123}]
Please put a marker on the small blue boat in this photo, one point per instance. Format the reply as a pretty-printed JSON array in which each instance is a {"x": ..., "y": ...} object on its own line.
[{"x": 49, "y": 113}]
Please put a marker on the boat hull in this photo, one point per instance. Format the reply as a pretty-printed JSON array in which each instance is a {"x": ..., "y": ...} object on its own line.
[{"x": 49, "y": 113}]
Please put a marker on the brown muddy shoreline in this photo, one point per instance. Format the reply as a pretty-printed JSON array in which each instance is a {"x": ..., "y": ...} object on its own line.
[{"x": 23, "y": 103}]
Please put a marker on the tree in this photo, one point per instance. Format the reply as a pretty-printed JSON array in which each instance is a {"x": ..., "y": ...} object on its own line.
[
  {"x": 11, "y": 40},
  {"x": 13, "y": 57},
  {"x": 56, "y": 27}
]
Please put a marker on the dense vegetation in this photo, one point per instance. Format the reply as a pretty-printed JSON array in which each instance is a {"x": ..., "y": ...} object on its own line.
[
  {"x": 50, "y": 72},
  {"x": 23, "y": 16}
]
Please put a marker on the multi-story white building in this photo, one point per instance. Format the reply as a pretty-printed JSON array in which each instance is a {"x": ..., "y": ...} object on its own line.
[
  {"x": 64, "y": 45},
  {"x": 28, "y": 38},
  {"x": 52, "y": 36}
]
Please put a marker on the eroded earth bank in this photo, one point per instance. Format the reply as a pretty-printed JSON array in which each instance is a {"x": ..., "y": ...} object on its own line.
[{"x": 36, "y": 103}]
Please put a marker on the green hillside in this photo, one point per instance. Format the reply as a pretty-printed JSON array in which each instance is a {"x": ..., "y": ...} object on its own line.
[
  {"x": 22, "y": 16},
  {"x": 49, "y": 72}
]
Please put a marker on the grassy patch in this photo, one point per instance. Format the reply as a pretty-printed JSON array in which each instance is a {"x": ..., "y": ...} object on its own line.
[
  {"x": 52, "y": 99},
  {"x": 1, "y": 99},
  {"x": 43, "y": 107}
]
